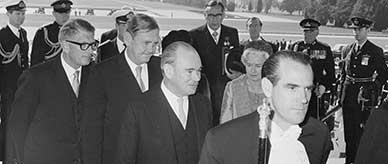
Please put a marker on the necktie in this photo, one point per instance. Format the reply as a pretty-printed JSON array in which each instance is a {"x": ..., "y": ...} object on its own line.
[
  {"x": 20, "y": 34},
  {"x": 75, "y": 82},
  {"x": 182, "y": 115},
  {"x": 214, "y": 35},
  {"x": 358, "y": 48},
  {"x": 138, "y": 78}
]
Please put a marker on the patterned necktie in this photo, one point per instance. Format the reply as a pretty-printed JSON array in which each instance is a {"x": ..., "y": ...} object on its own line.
[
  {"x": 214, "y": 35},
  {"x": 138, "y": 78},
  {"x": 75, "y": 82},
  {"x": 182, "y": 116}
]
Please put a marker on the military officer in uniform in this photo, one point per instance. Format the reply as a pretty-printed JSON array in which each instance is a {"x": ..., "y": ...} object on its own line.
[
  {"x": 13, "y": 60},
  {"x": 45, "y": 44},
  {"x": 112, "y": 41},
  {"x": 322, "y": 64},
  {"x": 364, "y": 72}
]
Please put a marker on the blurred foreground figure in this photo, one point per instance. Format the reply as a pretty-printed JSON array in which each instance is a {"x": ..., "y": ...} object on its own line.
[{"x": 287, "y": 82}]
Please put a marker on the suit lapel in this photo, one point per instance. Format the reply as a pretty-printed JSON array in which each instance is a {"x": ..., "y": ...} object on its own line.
[
  {"x": 84, "y": 78},
  {"x": 158, "y": 110},
  {"x": 208, "y": 36},
  {"x": 62, "y": 79},
  {"x": 125, "y": 70}
]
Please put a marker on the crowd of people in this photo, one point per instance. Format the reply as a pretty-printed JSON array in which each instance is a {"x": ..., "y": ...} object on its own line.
[{"x": 197, "y": 102}]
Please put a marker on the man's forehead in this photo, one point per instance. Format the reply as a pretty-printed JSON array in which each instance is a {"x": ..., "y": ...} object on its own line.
[
  {"x": 213, "y": 9},
  {"x": 293, "y": 72}
]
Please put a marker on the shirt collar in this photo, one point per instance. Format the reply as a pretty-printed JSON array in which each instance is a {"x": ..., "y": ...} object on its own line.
[
  {"x": 169, "y": 95},
  {"x": 211, "y": 30},
  {"x": 362, "y": 44},
  {"x": 68, "y": 69},
  {"x": 131, "y": 64},
  {"x": 14, "y": 29}
]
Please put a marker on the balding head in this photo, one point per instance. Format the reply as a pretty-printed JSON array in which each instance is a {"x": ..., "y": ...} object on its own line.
[{"x": 181, "y": 66}]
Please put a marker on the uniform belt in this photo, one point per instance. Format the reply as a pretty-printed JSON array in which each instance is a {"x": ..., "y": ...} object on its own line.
[{"x": 359, "y": 80}]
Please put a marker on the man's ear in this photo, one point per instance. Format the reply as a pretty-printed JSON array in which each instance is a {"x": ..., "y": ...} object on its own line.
[
  {"x": 128, "y": 38},
  {"x": 267, "y": 87},
  {"x": 168, "y": 70},
  {"x": 65, "y": 47}
]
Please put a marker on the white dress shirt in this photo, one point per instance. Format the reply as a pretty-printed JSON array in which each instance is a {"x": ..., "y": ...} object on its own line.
[
  {"x": 144, "y": 72},
  {"x": 285, "y": 146},
  {"x": 172, "y": 100},
  {"x": 70, "y": 70},
  {"x": 14, "y": 30},
  {"x": 120, "y": 44},
  {"x": 218, "y": 32}
]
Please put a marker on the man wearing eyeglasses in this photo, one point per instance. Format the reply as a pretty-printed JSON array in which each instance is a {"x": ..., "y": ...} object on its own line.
[
  {"x": 114, "y": 83},
  {"x": 210, "y": 40},
  {"x": 45, "y": 44},
  {"x": 44, "y": 125},
  {"x": 112, "y": 41}
]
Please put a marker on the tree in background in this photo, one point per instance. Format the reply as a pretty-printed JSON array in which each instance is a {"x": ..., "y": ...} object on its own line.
[
  {"x": 268, "y": 5},
  {"x": 250, "y": 6},
  {"x": 231, "y": 6},
  {"x": 259, "y": 6},
  {"x": 342, "y": 12},
  {"x": 291, "y": 6},
  {"x": 380, "y": 16}
]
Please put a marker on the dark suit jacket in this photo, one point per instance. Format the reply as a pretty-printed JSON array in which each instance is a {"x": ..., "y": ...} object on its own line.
[
  {"x": 373, "y": 148},
  {"x": 41, "y": 49},
  {"x": 110, "y": 48},
  {"x": 146, "y": 134},
  {"x": 210, "y": 52},
  {"x": 236, "y": 142},
  {"x": 9, "y": 73},
  {"x": 211, "y": 57},
  {"x": 44, "y": 123},
  {"x": 111, "y": 86}
]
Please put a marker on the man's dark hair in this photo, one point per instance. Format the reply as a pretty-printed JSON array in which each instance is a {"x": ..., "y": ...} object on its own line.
[
  {"x": 260, "y": 45},
  {"x": 174, "y": 35},
  {"x": 252, "y": 19},
  {"x": 213, "y": 3},
  {"x": 141, "y": 22},
  {"x": 271, "y": 65}
]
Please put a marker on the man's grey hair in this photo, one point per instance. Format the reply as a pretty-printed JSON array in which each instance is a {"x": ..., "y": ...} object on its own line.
[{"x": 74, "y": 27}]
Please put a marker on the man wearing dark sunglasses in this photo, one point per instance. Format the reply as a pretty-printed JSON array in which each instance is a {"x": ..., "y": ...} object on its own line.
[
  {"x": 44, "y": 125},
  {"x": 112, "y": 41},
  {"x": 210, "y": 40},
  {"x": 45, "y": 44}
]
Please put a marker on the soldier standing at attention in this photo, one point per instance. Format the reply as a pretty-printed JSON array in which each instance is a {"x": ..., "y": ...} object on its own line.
[
  {"x": 363, "y": 74},
  {"x": 322, "y": 64},
  {"x": 45, "y": 45},
  {"x": 13, "y": 60}
]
